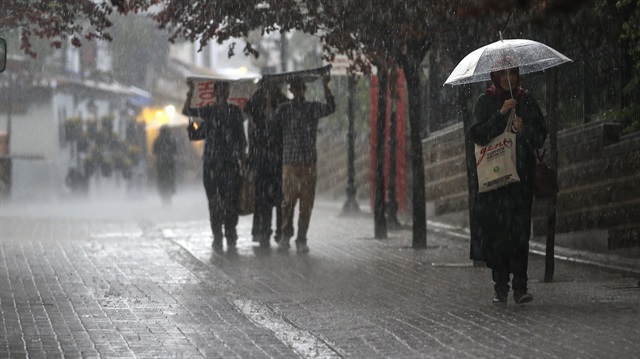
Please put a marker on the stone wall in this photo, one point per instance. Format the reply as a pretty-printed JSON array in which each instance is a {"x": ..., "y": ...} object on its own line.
[
  {"x": 598, "y": 173},
  {"x": 598, "y": 207}
]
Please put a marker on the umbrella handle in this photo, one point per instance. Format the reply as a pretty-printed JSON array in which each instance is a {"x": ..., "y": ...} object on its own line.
[
  {"x": 509, "y": 79},
  {"x": 507, "y": 70}
]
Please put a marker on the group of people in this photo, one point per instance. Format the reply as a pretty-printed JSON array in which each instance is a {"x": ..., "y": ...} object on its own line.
[{"x": 282, "y": 153}]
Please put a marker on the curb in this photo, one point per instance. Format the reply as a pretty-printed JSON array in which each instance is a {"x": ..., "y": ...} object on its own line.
[{"x": 630, "y": 266}]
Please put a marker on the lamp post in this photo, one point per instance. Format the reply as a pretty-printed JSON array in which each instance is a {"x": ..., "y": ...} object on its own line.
[{"x": 5, "y": 161}]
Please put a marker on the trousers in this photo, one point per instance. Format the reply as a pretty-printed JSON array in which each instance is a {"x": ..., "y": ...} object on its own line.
[
  {"x": 222, "y": 186},
  {"x": 298, "y": 184}
]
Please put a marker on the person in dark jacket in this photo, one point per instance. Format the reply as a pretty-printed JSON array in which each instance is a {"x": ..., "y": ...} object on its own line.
[
  {"x": 503, "y": 215},
  {"x": 223, "y": 131},
  {"x": 265, "y": 158},
  {"x": 164, "y": 149}
]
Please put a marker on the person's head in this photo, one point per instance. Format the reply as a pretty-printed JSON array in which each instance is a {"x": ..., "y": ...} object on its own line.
[
  {"x": 270, "y": 87},
  {"x": 297, "y": 87},
  {"x": 221, "y": 89},
  {"x": 507, "y": 76},
  {"x": 165, "y": 131}
]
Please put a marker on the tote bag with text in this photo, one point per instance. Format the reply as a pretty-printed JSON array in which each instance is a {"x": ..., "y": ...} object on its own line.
[{"x": 496, "y": 161}]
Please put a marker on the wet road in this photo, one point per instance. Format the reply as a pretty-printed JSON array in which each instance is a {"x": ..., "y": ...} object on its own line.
[{"x": 130, "y": 278}]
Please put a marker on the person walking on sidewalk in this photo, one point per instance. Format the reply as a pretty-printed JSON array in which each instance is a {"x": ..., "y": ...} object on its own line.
[
  {"x": 224, "y": 148},
  {"x": 299, "y": 120},
  {"x": 265, "y": 157},
  {"x": 165, "y": 149},
  {"x": 504, "y": 214}
]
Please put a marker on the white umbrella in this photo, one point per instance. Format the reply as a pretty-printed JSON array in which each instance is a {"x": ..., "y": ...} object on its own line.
[{"x": 528, "y": 55}]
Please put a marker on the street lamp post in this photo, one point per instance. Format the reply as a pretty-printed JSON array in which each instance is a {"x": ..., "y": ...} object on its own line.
[{"x": 6, "y": 165}]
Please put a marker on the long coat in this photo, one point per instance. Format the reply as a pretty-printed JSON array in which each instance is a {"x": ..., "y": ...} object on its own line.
[
  {"x": 164, "y": 149},
  {"x": 503, "y": 216},
  {"x": 265, "y": 138}
]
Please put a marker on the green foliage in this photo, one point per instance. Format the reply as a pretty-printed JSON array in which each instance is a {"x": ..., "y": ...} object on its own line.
[
  {"x": 633, "y": 127},
  {"x": 631, "y": 26},
  {"x": 629, "y": 11},
  {"x": 73, "y": 129},
  {"x": 103, "y": 150},
  {"x": 628, "y": 116}
]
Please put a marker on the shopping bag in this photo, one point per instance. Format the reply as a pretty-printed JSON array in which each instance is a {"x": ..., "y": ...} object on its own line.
[
  {"x": 496, "y": 161},
  {"x": 247, "y": 191}
]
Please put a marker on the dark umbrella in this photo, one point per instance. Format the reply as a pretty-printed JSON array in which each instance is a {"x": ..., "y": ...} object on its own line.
[{"x": 306, "y": 75}]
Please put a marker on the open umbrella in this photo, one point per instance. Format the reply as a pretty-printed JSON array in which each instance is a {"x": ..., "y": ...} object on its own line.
[
  {"x": 305, "y": 75},
  {"x": 530, "y": 56}
]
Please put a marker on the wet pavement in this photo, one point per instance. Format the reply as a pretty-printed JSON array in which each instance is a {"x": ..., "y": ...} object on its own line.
[{"x": 130, "y": 278}]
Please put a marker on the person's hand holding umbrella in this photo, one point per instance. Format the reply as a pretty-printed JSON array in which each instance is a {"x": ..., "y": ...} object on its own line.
[
  {"x": 325, "y": 80},
  {"x": 508, "y": 106}
]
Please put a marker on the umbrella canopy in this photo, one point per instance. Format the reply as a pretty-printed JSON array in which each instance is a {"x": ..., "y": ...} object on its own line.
[
  {"x": 530, "y": 56},
  {"x": 305, "y": 75}
]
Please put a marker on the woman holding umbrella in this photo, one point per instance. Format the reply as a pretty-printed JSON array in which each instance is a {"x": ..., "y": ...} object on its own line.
[{"x": 504, "y": 214}]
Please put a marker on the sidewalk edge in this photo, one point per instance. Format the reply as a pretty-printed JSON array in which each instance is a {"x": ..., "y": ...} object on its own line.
[{"x": 612, "y": 262}]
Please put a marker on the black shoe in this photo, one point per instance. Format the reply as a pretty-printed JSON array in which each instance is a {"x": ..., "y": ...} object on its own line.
[
  {"x": 302, "y": 247},
  {"x": 500, "y": 298},
  {"x": 217, "y": 243},
  {"x": 265, "y": 242},
  {"x": 522, "y": 297}
]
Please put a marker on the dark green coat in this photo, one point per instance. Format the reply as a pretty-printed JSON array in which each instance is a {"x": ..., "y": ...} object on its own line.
[{"x": 503, "y": 216}]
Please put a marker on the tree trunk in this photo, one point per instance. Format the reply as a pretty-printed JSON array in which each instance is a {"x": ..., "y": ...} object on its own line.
[
  {"x": 409, "y": 59},
  {"x": 351, "y": 205},
  {"x": 552, "y": 101},
  {"x": 380, "y": 221},
  {"x": 475, "y": 244}
]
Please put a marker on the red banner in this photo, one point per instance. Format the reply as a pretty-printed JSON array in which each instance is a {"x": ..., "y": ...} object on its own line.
[
  {"x": 201, "y": 92},
  {"x": 401, "y": 103}
]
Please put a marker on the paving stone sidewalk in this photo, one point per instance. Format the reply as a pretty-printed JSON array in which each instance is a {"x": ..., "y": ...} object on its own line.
[{"x": 149, "y": 285}]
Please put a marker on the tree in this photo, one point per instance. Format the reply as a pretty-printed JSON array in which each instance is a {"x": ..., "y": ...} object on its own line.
[
  {"x": 55, "y": 20},
  {"x": 367, "y": 31},
  {"x": 631, "y": 33}
]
